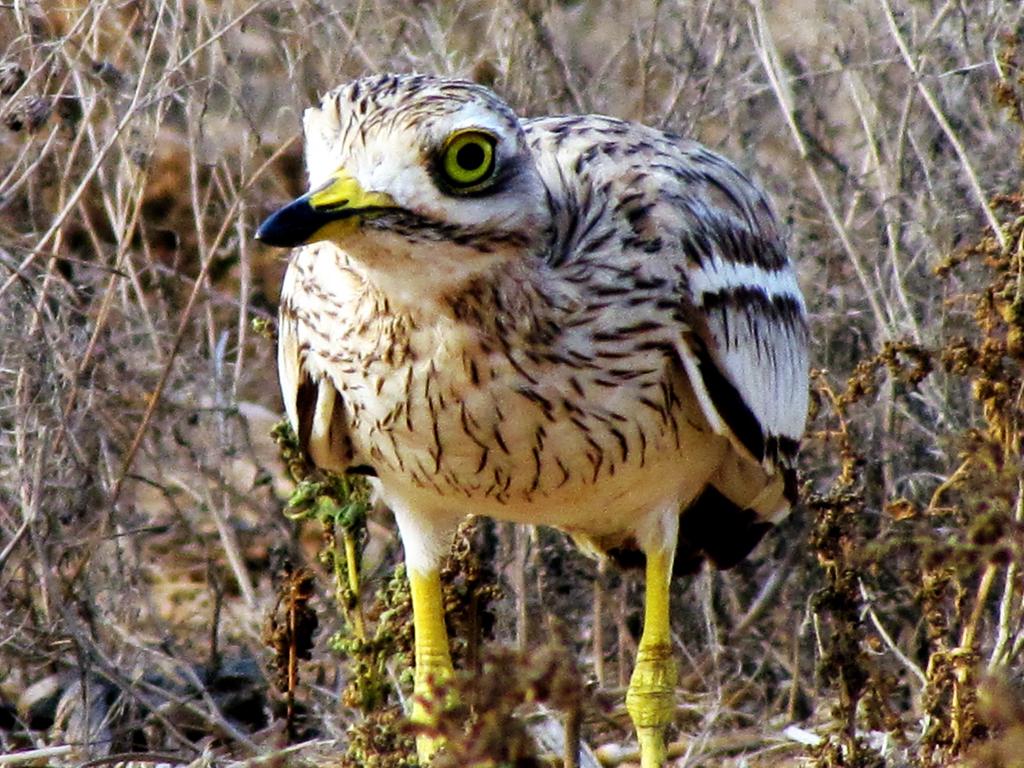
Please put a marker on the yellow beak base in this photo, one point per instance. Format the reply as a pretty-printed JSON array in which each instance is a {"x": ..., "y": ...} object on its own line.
[{"x": 335, "y": 208}]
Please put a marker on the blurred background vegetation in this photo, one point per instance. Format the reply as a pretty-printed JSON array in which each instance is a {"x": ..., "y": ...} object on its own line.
[{"x": 157, "y": 605}]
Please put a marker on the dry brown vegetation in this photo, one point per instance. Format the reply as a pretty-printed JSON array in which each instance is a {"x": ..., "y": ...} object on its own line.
[{"x": 157, "y": 606}]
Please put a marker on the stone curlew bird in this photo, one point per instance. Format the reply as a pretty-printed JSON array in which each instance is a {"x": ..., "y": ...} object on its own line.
[{"x": 571, "y": 321}]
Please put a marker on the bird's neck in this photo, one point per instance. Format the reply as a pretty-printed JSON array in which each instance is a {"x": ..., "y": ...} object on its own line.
[
  {"x": 513, "y": 304},
  {"x": 510, "y": 298}
]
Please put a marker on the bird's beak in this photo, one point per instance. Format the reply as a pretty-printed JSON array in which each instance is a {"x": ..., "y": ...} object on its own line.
[{"x": 333, "y": 209}]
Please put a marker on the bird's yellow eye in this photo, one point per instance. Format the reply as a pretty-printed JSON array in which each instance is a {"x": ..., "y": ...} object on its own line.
[{"x": 468, "y": 158}]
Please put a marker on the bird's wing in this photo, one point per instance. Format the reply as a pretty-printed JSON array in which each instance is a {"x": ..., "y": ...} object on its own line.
[
  {"x": 743, "y": 332},
  {"x": 314, "y": 407},
  {"x": 744, "y": 344}
]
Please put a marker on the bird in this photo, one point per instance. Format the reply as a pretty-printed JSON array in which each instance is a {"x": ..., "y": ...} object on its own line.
[{"x": 573, "y": 321}]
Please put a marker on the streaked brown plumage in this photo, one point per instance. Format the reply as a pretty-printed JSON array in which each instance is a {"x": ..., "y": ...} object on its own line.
[{"x": 600, "y": 334}]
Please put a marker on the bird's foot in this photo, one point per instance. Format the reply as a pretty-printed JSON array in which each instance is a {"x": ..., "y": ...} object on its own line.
[
  {"x": 426, "y": 747},
  {"x": 650, "y": 701},
  {"x": 429, "y": 703}
]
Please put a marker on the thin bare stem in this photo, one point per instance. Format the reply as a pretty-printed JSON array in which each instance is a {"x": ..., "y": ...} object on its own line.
[{"x": 943, "y": 121}]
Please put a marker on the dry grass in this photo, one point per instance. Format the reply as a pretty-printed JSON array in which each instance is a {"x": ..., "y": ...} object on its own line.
[{"x": 142, "y": 540}]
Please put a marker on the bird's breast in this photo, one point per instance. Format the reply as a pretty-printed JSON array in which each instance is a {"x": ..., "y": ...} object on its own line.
[{"x": 555, "y": 436}]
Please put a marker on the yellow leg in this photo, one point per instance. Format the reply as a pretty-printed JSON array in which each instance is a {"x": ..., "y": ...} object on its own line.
[
  {"x": 433, "y": 661},
  {"x": 650, "y": 699}
]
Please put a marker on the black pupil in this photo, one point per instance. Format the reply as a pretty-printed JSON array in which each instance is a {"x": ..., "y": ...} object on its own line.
[{"x": 470, "y": 156}]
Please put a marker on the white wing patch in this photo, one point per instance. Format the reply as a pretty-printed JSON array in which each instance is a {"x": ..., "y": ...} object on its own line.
[{"x": 747, "y": 351}]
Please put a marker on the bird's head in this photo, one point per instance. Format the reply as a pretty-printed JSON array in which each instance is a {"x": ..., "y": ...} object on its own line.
[{"x": 414, "y": 175}]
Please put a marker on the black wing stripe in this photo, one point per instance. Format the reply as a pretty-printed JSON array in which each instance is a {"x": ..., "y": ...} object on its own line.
[{"x": 728, "y": 401}]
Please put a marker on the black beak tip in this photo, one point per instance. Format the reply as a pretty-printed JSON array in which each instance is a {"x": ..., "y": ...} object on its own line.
[
  {"x": 264, "y": 233},
  {"x": 271, "y": 232},
  {"x": 291, "y": 226}
]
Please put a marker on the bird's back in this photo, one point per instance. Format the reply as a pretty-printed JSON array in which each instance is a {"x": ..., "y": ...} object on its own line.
[{"x": 676, "y": 246}]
